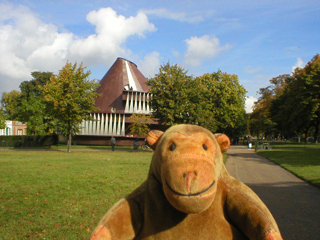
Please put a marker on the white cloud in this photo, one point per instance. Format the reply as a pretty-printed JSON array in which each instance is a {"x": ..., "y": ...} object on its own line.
[
  {"x": 202, "y": 48},
  {"x": 112, "y": 30},
  {"x": 249, "y": 103},
  {"x": 292, "y": 48},
  {"x": 299, "y": 64},
  {"x": 149, "y": 66},
  {"x": 27, "y": 44},
  {"x": 179, "y": 16},
  {"x": 175, "y": 53},
  {"x": 21, "y": 34},
  {"x": 252, "y": 70}
]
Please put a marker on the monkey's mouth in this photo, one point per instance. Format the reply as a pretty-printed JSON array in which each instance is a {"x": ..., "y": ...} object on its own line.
[{"x": 190, "y": 194}]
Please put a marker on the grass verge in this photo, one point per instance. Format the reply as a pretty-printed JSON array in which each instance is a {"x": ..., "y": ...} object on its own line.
[
  {"x": 64, "y": 147},
  {"x": 56, "y": 195},
  {"x": 300, "y": 159}
]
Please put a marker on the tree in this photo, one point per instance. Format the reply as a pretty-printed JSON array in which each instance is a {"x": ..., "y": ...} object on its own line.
[
  {"x": 140, "y": 124},
  {"x": 222, "y": 103},
  {"x": 29, "y": 105},
  {"x": 307, "y": 89},
  {"x": 284, "y": 110},
  {"x": 297, "y": 110},
  {"x": 265, "y": 118},
  {"x": 9, "y": 103},
  {"x": 2, "y": 119},
  {"x": 215, "y": 101},
  {"x": 70, "y": 98},
  {"x": 170, "y": 101},
  {"x": 32, "y": 106},
  {"x": 260, "y": 120},
  {"x": 292, "y": 102}
]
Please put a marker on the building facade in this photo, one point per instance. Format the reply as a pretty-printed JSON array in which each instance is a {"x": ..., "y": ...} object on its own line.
[
  {"x": 123, "y": 92},
  {"x": 14, "y": 128}
]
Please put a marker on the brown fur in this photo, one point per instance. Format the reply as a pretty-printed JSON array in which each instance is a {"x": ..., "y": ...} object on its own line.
[{"x": 188, "y": 195}]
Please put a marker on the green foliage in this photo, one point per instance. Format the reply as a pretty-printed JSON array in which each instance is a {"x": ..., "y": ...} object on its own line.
[
  {"x": 291, "y": 104},
  {"x": 49, "y": 103},
  {"x": 308, "y": 83},
  {"x": 222, "y": 100},
  {"x": 215, "y": 101},
  {"x": 140, "y": 124},
  {"x": 29, "y": 104},
  {"x": 54, "y": 195},
  {"x": 32, "y": 107},
  {"x": 2, "y": 119},
  {"x": 170, "y": 101},
  {"x": 262, "y": 119},
  {"x": 70, "y": 98},
  {"x": 9, "y": 103}
]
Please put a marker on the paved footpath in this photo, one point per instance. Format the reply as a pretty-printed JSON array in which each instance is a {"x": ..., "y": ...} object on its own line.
[{"x": 294, "y": 203}]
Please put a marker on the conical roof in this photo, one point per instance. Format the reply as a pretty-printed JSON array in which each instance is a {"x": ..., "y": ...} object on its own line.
[{"x": 123, "y": 75}]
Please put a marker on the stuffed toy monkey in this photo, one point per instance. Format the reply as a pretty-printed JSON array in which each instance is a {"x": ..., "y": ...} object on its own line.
[{"x": 188, "y": 194}]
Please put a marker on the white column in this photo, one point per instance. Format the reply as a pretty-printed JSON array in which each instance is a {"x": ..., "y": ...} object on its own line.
[
  {"x": 148, "y": 102},
  {"x": 144, "y": 103},
  {"x": 110, "y": 129},
  {"x": 114, "y": 129},
  {"x": 127, "y": 103},
  {"x": 90, "y": 124},
  {"x": 106, "y": 129},
  {"x": 94, "y": 124},
  {"x": 140, "y": 103},
  {"x": 102, "y": 124},
  {"x": 131, "y": 104},
  {"x": 135, "y": 105},
  {"x": 119, "y": 125},
  {"x": 98, "y": 124},
  {"x": 123, "y": 125},
  {"x": 86, "y": 127}
]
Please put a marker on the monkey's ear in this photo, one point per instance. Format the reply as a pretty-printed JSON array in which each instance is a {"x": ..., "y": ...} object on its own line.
[
  {"x": 223, "y": 140},
  {"x": 153, "y": 138}
]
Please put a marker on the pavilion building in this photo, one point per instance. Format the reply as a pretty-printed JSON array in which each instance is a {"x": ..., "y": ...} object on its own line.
[{"x": 123, "y": 92}]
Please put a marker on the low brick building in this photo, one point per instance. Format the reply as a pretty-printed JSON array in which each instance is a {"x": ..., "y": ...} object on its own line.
[{"x": 14, "y": 128}]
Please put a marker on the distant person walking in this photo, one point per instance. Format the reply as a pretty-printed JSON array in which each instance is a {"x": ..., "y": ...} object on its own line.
[
  {"x": 113, "y": 143},
  {"x": 136, "y": 144}
]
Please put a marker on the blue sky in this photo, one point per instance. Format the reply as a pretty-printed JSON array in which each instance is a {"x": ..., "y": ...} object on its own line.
[{"x": 256, "y": 40}]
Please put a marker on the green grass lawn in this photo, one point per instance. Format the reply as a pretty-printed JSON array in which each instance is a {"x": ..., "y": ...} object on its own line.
[
  {"x": 301, "y": 159},
  {"x": 56, "y": 195},
  {"x": 59, "y": 195}
]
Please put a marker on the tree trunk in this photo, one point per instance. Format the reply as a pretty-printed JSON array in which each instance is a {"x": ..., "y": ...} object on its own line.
[
  {"x": 69, "y": 140},
  {"x": 316, "y": 133},
  {"x": 306, "y": 134}
]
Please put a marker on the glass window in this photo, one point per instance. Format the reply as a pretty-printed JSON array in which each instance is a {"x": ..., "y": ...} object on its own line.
[{"x": 9, "y": 132}]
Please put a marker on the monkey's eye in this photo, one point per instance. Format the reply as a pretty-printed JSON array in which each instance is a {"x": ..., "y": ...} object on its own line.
[
  {"x": 205, "y": 147},
  {"x": 172, "y": 147}
]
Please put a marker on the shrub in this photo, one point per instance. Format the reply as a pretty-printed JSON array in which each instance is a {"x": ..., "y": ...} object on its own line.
[{"x": 28, "y": 141}]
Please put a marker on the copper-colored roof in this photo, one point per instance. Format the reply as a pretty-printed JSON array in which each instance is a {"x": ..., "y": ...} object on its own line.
[{"x": 123, "y": 75}]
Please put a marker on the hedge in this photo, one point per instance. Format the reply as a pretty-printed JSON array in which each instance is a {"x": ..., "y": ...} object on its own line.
[{"x": 28, "y": 141}]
